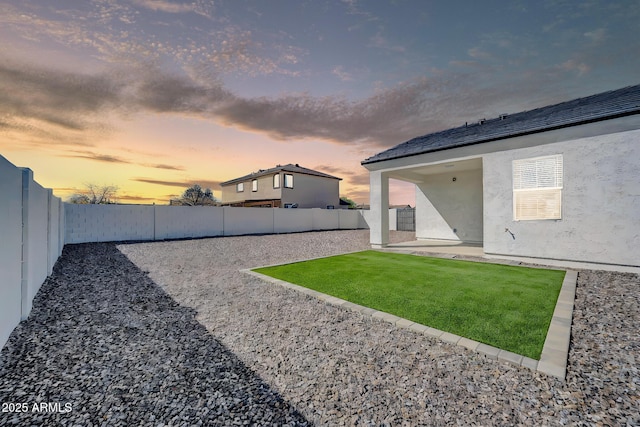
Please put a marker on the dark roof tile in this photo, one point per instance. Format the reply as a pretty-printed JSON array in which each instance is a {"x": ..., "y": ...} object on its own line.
[
  {"x": 602, "y": 106},
  {"x": 286, "y": 168}
]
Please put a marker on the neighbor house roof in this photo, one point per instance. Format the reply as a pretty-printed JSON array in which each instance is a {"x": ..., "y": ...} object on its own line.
[
  {"x": 603, "y": 106},
  {"x": 286, "y": 168}
]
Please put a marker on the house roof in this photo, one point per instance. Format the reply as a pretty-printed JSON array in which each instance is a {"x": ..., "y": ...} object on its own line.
[
  {"x": 602, "y": 106},
  {"x": 286, "y": 168}
]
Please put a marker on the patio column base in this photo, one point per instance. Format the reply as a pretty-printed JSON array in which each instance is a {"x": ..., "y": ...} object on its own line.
[{"x": 378, "y": 246}]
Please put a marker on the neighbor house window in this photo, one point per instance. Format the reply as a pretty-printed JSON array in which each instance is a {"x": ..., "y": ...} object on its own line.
[
  {"x": 288, "y": 180},
  {"x": 537, "y": 188},
  {"x": 240, "y": 187},
  {"x": 276, "y": 180},
  {"x": 254, "y": 185}
]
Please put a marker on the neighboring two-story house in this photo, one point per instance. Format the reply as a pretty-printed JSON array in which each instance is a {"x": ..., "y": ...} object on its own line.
[{"x": 288, "y": 186}]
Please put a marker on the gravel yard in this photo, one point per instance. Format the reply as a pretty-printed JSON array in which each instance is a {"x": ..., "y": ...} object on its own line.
[{"x": 174, "y": 334}]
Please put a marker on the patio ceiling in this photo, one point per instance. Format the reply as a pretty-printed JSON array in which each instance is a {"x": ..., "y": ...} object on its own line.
[{"x": 419, "y": 173}]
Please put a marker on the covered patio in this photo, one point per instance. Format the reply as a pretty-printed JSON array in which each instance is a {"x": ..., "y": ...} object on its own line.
[{"x": 449, "y": 205}]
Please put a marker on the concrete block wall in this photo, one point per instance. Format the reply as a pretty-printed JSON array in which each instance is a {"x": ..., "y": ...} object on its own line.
[
  {"x": 32, "y": 231},
  {"x": 105, "y": 223},
  {"x": 292, "y": 220},
  {"x": 239, "y": 221},
  {"x": 324, "y": 219},
  {"x": 202, "y": 221},
  {"x": 348, "y": 221},
  {"x": 366, "y": 216},
  {"x": 108, "y": 223}
]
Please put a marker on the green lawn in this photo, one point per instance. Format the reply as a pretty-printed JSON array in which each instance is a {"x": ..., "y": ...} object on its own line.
[{"x": 504, "y": 306}]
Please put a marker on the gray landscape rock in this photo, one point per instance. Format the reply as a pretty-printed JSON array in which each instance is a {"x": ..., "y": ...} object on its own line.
[{"x": 174, "y": 334}]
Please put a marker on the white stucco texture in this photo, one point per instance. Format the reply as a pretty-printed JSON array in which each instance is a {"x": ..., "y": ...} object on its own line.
[
  {"x": 600, "y": 203},
  {"x": 450, "y": 206}
]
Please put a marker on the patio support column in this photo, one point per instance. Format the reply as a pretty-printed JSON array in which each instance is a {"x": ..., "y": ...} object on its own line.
[{"x": 379, "y": 201}]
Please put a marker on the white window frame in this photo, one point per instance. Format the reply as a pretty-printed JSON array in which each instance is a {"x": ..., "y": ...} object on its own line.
[
  {"x": 254, "y": 185},
  {"x": 288, "y": 180},
  {"x": 537, "y": 188},
  {"x": 276, "y": 180},
  {"x": 240, "y": 187}
]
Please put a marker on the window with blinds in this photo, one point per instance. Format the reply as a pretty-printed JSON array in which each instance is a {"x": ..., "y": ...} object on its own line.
[{"x": 537, "y": 188}]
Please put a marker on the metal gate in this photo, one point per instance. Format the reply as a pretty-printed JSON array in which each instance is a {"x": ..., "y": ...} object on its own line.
[{"x": 406, "y": 219}]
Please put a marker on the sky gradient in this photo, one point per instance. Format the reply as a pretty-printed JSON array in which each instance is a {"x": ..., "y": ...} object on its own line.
[{"x": 155, "y": 95}]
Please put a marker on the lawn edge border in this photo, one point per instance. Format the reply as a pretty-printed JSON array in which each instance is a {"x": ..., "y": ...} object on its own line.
[{"x": 555, "y": 351}]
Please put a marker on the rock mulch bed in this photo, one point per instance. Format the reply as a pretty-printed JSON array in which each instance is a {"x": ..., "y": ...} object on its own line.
[
  {"x": 105, "y": 339},
  {"x": 196, "y": 340}
]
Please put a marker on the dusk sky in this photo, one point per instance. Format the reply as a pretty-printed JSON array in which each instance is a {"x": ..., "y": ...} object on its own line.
[{"x": 155, "y": 95}]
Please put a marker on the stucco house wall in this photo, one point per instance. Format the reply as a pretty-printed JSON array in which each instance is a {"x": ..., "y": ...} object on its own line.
[
  {"x": 311, "y": 189},
  {"x": 450, "y": 206},
  {"x": 312, "y": 192},
  {"x": 265, "y": 190},
  {"x": 598, "y": 138},
  {"x": 600, "y": 203}
]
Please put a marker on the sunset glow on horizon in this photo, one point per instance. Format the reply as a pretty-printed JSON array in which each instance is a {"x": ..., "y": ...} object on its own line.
[{"x": 153, "y": 96}]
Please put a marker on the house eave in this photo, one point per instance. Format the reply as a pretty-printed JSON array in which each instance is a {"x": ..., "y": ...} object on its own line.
[{"x": 504, "y": 137}]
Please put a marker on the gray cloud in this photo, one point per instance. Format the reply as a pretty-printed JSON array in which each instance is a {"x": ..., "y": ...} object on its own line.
[
  {"x": 98, "y": 158},
  {"x": 357, "y": 176},
  {"x": 48, "y": 102},
  {"x": 32, "y": 90},
  {"x": 165, "y": 6},
  {"x": 75, "y": 102},
  {"x": 89, "y": 155},
  {"x": 51, "y": 106},
  {"x": 388, "y": 116},
  {"x": 183, "y": 184}
]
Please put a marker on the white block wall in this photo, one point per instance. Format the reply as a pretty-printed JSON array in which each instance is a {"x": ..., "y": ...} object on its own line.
[
  {"x": 178, "y": 222},
  {"x": 366, "y": 216},
  {"x": 239, "y": 221},
  {"x": 11, "y": 248},
  {"x": 324, "y": 219},
  {"x": 108, "y": 223},
  {"x": 347, "y": 220},
  {"x": 292, "y": 220},
  {"x": 105, "y": 223},
  {"x": 27, "y": 253},
  {"x": 35, "y": 238}
]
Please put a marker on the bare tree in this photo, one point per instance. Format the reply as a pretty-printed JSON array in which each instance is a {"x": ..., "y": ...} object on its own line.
[
  {"x": 196, "y": 196},
  {"x": 94, "y": 194}
]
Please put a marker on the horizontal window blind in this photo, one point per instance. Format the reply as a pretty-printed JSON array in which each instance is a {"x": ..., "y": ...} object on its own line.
[
  {"x": 541, "y": 172},
  {"x": 537, "y": 188}
]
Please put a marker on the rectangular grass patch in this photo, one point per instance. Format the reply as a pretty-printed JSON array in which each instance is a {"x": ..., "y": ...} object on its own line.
[{"x": 504, "y": 306}]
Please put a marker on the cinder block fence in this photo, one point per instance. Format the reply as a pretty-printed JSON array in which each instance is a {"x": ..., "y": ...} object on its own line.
[
  {"x": 35, "y": 225},
  {"x": 31, "y": 240},
  {"x": 106, "y": 223}
]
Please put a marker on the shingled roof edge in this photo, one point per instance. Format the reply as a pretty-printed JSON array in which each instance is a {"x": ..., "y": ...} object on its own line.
[
  {"x": 514, "y": 135},
  {"x": 628, "y": 93}
]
